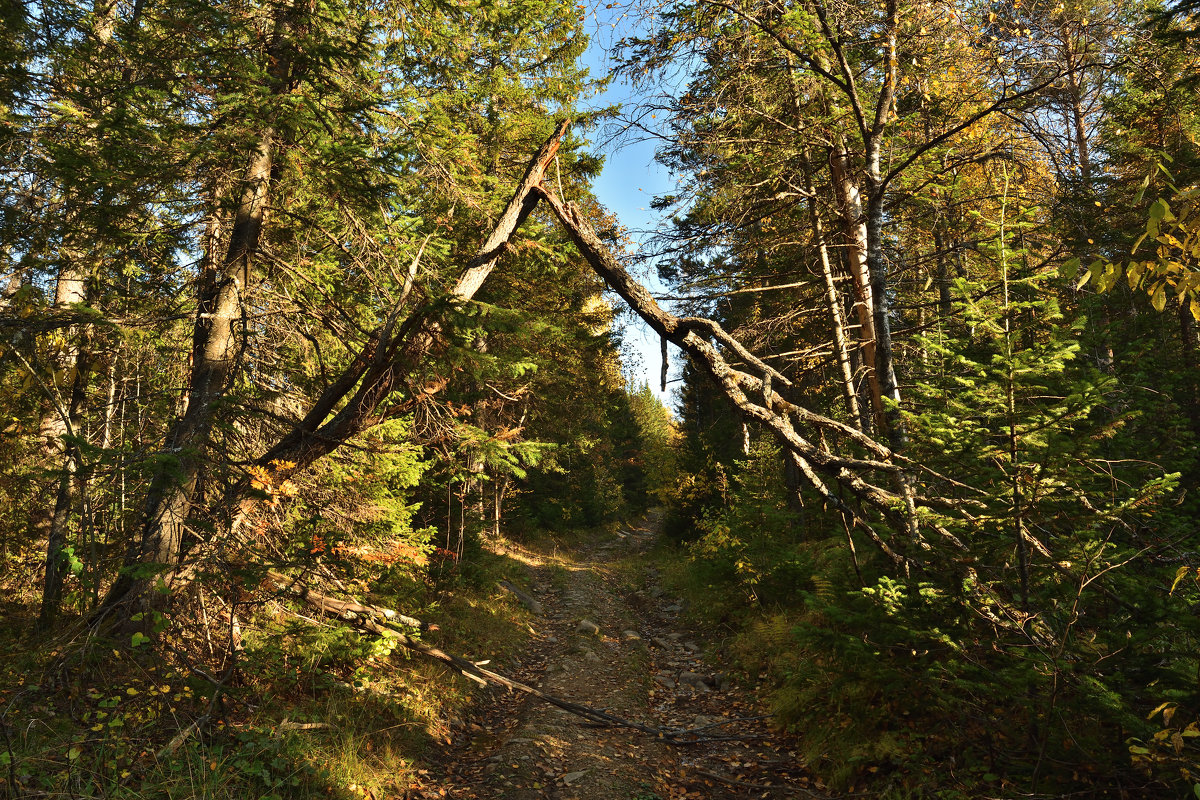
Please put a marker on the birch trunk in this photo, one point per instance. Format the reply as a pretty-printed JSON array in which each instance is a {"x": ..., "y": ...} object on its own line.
[{"x": 855, "y": 233}]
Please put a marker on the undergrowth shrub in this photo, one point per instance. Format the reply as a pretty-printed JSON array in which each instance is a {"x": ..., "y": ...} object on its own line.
[
  {"x": 749, "y": 541},
  {"x": 889, "y": 678},
  {"x": 693, "y": 495}
]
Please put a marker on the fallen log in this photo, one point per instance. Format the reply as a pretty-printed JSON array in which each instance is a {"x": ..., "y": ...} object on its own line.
[
  {"x": 369, "y": 622},
  {"x": 340, "y": 608},
  {"x": 526, "y": 600}
]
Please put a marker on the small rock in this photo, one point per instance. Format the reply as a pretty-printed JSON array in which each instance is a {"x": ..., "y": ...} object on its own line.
[
  {"x": 703, "y": 719},
  {"x": 664, "y": 681},
  {"x": 674, "y": 608},
  {"x": 721, "y": 681},
  {"x": 588, "y": 627},
  {"x": 656, "y": 592},
  {"x": 694, "y": 679},
  {"x": 674, "y": 637},
  {"x": 631, "y": 636},
  {"x": 691, "y": 647},
  {"x": 592, "y": 657},
  {"x": 551, "y": 639},
  {"x": 661, "y": 642},
  {"x": 571, "y": 777}
]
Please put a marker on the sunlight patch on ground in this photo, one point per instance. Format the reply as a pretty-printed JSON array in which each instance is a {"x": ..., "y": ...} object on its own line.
[{"x": 516, "y": 553}]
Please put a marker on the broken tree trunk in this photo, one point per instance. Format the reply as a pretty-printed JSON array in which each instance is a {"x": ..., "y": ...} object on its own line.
[
  {"x": 391, "y": 354},
  {"x": 341, "y": 608},
  {"x": 770, "y": 408},
  {"x": 526, "y": 600},
  {"x": 349, "y": 405}
]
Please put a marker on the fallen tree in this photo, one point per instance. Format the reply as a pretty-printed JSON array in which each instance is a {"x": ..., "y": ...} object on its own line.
[
  {"x": 405, "y": 340},
  {"x": 408, "y": 338},
  {"x": 381, "y": 622},
  {"x": 765, "y": 395}
]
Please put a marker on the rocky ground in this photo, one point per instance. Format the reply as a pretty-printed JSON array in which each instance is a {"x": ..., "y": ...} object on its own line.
[{"x": 611, "y": 638}]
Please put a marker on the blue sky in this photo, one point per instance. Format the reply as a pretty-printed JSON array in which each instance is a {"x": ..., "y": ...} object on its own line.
[{"x": 631, "y": 177}]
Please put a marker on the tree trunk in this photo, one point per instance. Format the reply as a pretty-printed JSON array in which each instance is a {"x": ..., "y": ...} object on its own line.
[
  {"x": 391, "y": 354},
  {"x": 885, "y": 369},
  {"x": 56, "y": 538},
  {"x": 840, "y": 343},
  {"x": 942, "y": 275},
  {"x": 217, "y": 344},
  {"x": 1105, "y": 358},
  {"x": 49, "y": 521},
  {"x": 854, "y": 229}
]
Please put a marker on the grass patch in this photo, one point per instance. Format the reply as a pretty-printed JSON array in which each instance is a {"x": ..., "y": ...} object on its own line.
[{"x": 307, "y": 707}]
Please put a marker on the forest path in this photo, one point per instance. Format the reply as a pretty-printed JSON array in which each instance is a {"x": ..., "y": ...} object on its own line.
[{"x": 642, "y": 664}]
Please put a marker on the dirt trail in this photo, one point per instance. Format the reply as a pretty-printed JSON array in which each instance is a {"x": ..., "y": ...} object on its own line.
[{"x": 642, "y": 664}]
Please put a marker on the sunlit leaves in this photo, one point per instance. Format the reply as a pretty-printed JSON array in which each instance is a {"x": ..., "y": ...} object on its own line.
[{"x": 1173, "y": 236}]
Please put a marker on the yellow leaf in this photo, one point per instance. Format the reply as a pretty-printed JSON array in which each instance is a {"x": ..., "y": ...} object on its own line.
[
  {"x": 1160, "y": 708},
  {"x": 1159, "y": 298},
  {"x": 1180, "y": 574}
]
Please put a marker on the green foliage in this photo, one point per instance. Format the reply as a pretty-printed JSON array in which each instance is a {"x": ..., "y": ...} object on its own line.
[
  {"x": 657, "y": 434},
  {"x": 690, "y": 498},
  {"x": 750, "y": 544},
  {"x": 1017, "y": 412},
  {"x": 599, "y": 471},
  {"x": 1058, "y": 605}
]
